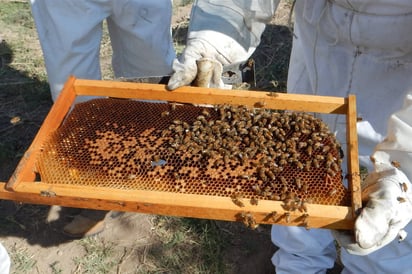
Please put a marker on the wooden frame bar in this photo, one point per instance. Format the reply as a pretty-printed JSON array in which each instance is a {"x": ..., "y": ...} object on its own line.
[{"x": 23, "y": 186}]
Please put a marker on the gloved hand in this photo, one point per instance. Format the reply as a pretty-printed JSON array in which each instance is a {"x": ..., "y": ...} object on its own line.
[
  {"x": 387, "y": 212},
  {"x": 220, "y": 33},
  {"x": 201, "y": 62}
]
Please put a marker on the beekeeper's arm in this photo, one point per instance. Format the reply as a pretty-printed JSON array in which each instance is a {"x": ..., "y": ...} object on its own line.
[
  {"x": 388, "y": 189},
  {"x": 220, "y": 33}
]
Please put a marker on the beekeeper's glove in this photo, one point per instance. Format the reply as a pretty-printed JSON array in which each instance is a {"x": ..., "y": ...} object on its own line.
[
  {"x": 201, "y": 62},
  {"x": 220, "y": 33},
  {"x": 387, "y": 212}
]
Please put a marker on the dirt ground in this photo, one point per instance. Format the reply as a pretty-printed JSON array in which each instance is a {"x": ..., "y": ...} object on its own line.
[{"x": 28, "y": 229}]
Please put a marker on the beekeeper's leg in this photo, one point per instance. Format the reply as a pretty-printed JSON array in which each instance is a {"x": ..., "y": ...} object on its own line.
[
  {"x": 4, "y": 260},
  {"x": 301, "y": 250},
  {"x": 140, "y": 33},
  {"x": 142, "y": 46},
  {"x": 70, "y": 33}
]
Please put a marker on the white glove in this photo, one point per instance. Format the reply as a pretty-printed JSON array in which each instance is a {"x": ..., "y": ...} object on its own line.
[
  {"x": 186, "y": 70},
  {"x": 387, "y": 212},
  {"x": 201, "y": 62},
  {"x": 220, "y": 33}
]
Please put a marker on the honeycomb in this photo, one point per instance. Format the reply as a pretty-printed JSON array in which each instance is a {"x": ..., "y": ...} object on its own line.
[{"x": 222, "y": 150}]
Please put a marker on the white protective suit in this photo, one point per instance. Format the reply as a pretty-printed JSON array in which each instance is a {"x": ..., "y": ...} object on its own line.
[
  {"x": 4, "y": 261},
  {"x": 341, "y": 47},
  {"x": 70, "y": 34}
]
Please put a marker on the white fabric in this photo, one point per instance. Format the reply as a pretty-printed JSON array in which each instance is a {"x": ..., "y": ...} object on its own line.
[
  {"x": 364, "y": 54},
  {"x": 302, "y": 251},
  {"x": 360, "y": 47},
  {"x": 220, "y": 32},
  {"x": 70, "y": 34},
  {"x": 388, "y": 211},
  {"x": 4, "y": 261}
]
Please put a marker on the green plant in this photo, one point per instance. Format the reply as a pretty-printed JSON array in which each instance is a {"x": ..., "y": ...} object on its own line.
[
  {"x": 188, "y": 246},
  {"x": 23, "y": 261},
  {"x": 98, "y": 258},
  {"x": 55, "y": 269}
]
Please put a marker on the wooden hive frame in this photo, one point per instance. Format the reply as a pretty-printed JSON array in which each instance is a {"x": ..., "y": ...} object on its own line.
[{"x": 24, "y": 186}]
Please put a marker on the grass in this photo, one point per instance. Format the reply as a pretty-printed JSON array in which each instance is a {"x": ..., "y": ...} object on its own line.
[
  {"x": 189, "y": 246},
  {"x": 98, "y": 258},
  {"x": 22, "y": 260},
  {"x": 185, "y": 245}
]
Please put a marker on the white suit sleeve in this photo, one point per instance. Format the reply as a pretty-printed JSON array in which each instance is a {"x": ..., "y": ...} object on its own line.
[
  {"x": 231, "y": 26},
  {"x": 397, "y": 146},
  {"x": 220, "y": 33}
]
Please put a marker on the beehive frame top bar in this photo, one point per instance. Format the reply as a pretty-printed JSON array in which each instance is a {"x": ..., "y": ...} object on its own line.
[{"x": 21, "y": 187}]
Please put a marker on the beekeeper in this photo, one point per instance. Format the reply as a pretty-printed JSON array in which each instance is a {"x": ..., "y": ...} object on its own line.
[
  {"x": 70, "y": 34},
  {"x": 4, "y": 261},
  {"x": 340, "y": 47}
]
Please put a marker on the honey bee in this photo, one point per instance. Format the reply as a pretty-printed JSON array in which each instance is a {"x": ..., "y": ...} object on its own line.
[
  {"x": 270, "y": 174},
  {"x": 275, "y": 197},
  {"x": 326, "y": 149},
  {"x": 284, "y": 189},
  {"x": 257, "y": 189},
  {"x": 299, "y": 165},
  {"x": 260, "y": 104},
  {"x": 335, "y": 167},
  {"x": 396, "y": 164},
  {"x": 309, "y": 150},
  {"x": 205, "y": 113},
  {"x": 302, "y": 144},
  {"x": 290, "y": 204},
  {"x": 251, "y": 222},
  {"x": 308, "y": 165},
  {"x": 305, "y": 187},
  {"x": 331, "y": 172},
  {"x": 173, "y": 106},
  {"x": 317, "y": 145},
  {"x": 298, "y": 183},
  {"x": 332, "y": 192},
  {"x": 303, "y": 206},
  {"x": 320, "y": 157},
  {"x": 165, "y": 132},
  {"x": 248, "y": 220},
  {"x": 305, "y": 218},
  {"x": 315, "y": 163},
  {"x": 404, "y": 187},
  {"x": 254, "y": 201},
  {"x": 47, "y": 193},
  {"x": 401, "y": 199},
  {"x": 272, "y": 215},
  {"x": 236, "y": 199},
  {"x": 287, "y": 217},
  {"x": 245, "y": 176}
]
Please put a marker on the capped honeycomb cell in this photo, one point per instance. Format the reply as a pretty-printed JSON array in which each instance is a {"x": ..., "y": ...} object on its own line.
[{"x": 223, "y": 150}]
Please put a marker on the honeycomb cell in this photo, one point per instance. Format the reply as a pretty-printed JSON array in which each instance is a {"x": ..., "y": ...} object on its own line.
[{"x": 219, "y": 150}]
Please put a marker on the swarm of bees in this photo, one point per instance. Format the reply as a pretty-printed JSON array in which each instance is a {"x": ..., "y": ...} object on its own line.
[
  {"x": 268, "y": 140},
  {"x": 268, "y": 144},
  {"x": 272, "y": 138}
]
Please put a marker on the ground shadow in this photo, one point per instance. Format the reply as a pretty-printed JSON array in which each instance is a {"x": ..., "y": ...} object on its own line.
[{"x": 24, "y": 103}]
